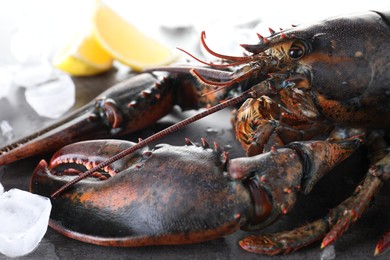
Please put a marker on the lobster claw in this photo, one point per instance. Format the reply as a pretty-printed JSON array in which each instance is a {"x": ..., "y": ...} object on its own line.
[
  {"x": 170, "y": 195},
  {"x": 76, "y": 158},
  {"x": 76, "y": 126},
  {"x": 121, "y": 109}
]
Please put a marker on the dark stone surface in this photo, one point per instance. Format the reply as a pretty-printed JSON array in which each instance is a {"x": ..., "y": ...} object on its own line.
[{"x": 357, "y": 243}]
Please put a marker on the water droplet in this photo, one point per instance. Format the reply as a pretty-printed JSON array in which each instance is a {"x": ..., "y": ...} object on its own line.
[
  {"x": 211, "y": 130},
  {"x": 227, "y": 147}
]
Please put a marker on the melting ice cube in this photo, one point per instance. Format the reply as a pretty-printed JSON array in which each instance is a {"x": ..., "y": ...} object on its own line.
[
  {"x": 33, "y": 73},
  {"x": 6, "y": 130},
  {"x": 53, "y": 98},
  {"x": 328, "y": 253},
  {"x": 24, "y": 218}
]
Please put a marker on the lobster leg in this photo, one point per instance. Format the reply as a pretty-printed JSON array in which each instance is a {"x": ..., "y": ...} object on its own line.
[
  {"x": 287, "y": 241},
  {"x": 330, "y": 227},
  {"x": 350, "y": 210},
  {"x": 378, "y": 174},
  {"x": 383, "y": 244},
  {"x": 126, "y": 107}
]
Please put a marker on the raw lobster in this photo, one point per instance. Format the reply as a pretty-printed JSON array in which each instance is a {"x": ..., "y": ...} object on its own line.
[{"x": 325, "y": 79}]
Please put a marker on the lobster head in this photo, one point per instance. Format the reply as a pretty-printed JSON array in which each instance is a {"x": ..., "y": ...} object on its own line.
[
  {"x": 335, "y": 55},
  {"x": 332, "y": 70}
]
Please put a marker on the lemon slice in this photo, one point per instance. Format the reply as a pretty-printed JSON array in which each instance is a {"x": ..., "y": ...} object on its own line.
[
  {"x": 83, "y": 56},
  {"x": 126, "y": 43}
]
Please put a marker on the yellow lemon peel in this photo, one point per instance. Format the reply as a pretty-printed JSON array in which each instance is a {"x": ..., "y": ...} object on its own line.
[{"x": 126, "y": 43}]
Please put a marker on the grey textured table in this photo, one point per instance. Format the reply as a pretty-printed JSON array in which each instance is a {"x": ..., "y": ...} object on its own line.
[{"x": 357, "y": 243}]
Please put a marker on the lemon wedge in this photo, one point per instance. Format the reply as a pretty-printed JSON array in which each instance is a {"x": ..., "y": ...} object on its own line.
[
  {"x": 126, "y": 43},
  {"x": 83, "y": 56}
]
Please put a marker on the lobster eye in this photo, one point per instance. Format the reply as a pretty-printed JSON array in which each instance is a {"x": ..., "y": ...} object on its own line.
[{"x": 297, "y": 50}]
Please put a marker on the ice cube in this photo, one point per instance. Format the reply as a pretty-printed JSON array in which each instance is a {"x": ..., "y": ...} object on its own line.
[
  {"x": 33, "y": 73},
  {"x": 328, "y": 253},
  {"x": 6, "y": 130},
  {"x": 53, "y": 98},
  {"x": 24, "y": 220}
]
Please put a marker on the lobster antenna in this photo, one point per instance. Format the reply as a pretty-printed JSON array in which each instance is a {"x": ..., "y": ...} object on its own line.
[
  {"x": 216, "y": 65},
  {"x": 220, "y": 85},
  {"x": 244, "y": 59},
  {"x": 234, "y": 60},
  {"x": 156, "y": 136}
]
